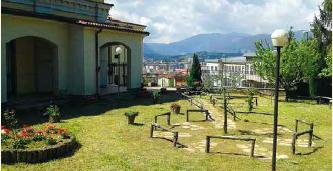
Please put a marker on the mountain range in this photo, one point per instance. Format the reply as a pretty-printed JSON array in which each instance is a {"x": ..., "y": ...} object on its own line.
[{"x": 213, "y": 42}]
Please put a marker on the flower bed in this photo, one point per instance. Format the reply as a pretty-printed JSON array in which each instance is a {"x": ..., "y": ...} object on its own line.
[{"x": 32, "y": 146}]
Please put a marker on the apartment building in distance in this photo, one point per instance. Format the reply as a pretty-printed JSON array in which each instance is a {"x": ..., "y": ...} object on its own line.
[{"x": 233, "y": 72}]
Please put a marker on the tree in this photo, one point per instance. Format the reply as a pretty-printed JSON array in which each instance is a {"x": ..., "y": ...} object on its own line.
[
  {"x": 208, "y": 82},
  {"x": 195, "y": 73},
  {"x": 290, "y": 68},
  {"x": 310, "y": 66},
  {"x": 322, "y": 31}
]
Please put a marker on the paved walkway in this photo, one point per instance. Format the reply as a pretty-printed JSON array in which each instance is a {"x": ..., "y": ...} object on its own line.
[{"x": 218, "y": 116}]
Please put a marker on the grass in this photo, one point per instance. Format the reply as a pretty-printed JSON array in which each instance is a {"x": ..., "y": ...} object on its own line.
[{"x": 109, "y": 143}]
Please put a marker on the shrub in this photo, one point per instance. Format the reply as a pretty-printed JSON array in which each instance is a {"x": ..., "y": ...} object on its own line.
[
  {"x": 250, "y": 101},
  {"x": 4, "y": 138},
  {"x": 53, "y": 112},
  {"x": 39, "y": 137},
  {"x": 163, "y": 90},
  {"x": 9, "y": 119},
  {"x": 50, "y": 141},
  {"x": 20, "y": 143},
  {"x": 156, "y": 96},
  {"x": 175, "y": 108}
]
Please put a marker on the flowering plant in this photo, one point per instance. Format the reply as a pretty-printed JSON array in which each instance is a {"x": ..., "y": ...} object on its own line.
[
  {"x": 174, "y": 106},
  {"x": 20, "y": 138}
]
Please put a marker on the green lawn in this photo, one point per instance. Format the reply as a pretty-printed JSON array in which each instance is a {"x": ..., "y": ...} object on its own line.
[{"x": 108, "y": 143}]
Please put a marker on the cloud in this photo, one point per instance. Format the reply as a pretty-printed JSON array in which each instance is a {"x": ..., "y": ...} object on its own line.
[{"x": 173, "y": 20}]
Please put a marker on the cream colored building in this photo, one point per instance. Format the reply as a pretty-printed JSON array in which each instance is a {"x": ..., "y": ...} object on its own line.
[{"x": 54, "y": 47}]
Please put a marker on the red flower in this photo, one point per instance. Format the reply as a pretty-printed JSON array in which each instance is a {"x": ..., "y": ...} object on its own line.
[
  {"x": 5, "y": 131},
  {"x": 50, "y": 126},
  {"x": 39, "y": 132},
  {"x": 24, "y": 133}
]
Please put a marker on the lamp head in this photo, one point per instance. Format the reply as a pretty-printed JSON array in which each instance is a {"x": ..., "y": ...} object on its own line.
[
  {"x": 279, "y": 38},
  {"x": 118, "y": 50}
]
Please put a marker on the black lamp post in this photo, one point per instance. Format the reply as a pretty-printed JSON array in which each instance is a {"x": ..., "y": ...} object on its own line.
[
  {"x": 117, "y": 56},
  {"x": 279, "y": 39}
]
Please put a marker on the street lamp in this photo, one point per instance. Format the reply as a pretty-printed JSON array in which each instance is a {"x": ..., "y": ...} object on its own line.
[
  {"x": 279, "y": 39},
  {"x": 117, "y": 56}
]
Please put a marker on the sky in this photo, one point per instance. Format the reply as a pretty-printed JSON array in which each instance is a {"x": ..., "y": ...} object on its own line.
[{"x": 173, "y": 20}]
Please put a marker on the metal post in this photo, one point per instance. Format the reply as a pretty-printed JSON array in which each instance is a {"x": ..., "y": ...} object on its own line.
[
  {"x": 225, "y": 125},
  {"x": 118, "y": 56},
  {"x": 276, "y": 108},
  {"x": 296, "y": 125}
]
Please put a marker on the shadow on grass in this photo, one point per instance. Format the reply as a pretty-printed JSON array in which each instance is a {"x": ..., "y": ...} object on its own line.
[
  {"x": 263, "y": 123},
  {"x": 179, "y": 145},
  {"x": 230, "y": 153},
  {"x": 248, "y": 132},
  {"x": 138, "y": 124},
  {"x": 308, "y": 153},
  {"x": 72, "y": 110},
  {"x": 203, "y": 120}
]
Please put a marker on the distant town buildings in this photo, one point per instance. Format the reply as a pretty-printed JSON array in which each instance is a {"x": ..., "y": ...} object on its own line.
[
  {"x": 227, "y": 71},
  {"x": 232, "y": 72},
  {"x": 165, "y": 74}
]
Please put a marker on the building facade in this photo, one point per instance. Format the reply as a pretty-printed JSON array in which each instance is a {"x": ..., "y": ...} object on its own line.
[
  {"x": 67, "y": 47},
  {"x": 233, "y": 72}
]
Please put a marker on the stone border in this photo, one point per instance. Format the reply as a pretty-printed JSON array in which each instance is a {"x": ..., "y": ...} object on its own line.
[{"x": 38, "y": 155}]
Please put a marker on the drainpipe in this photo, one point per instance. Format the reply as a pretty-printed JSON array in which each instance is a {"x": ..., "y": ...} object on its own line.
[{"x": 96, "y": 61}]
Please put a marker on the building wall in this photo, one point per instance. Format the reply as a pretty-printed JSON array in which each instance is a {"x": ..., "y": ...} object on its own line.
[
  {"x": 76, "y": 69},
  {"x": 135, "y": 43},
  {"x": 13, "y": 27}
]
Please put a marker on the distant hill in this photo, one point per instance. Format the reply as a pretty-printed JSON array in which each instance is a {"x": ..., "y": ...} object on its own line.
[{"x": 214, "y": 42}]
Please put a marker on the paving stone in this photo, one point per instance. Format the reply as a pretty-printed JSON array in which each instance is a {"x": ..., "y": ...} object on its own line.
[
  {"x": 282, "y": 156},
  {"x": 242, "y": 146},
  {"x": 190, "y": 149}
]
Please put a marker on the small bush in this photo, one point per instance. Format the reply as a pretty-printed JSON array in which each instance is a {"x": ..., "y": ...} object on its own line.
[
  {"x": 50, "y": 141},
  {"x": 20, "y": 143},
  {"x": 53, "y": 112},
  {"x": 250, "y": 101},
  {"x": 175, "y": 108},
  {"x": 163, "y": 90},
  {"x": 156, "y": 97},
  {"x": 9, "y": 119},
  {"x": 38, "y": 137}
]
